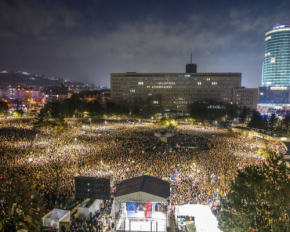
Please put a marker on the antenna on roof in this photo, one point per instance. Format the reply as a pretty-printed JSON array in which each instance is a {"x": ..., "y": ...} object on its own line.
[{"x": 191, "y": 58}]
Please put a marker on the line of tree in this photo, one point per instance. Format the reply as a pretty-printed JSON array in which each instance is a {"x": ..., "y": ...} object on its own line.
[
  {"x": 212, "y": 110},
  {"x": 270, "y": 123},
  {"x": 74, "y": 106}
]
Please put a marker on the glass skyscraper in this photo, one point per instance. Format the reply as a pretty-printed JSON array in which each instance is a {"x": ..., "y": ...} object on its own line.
[{"x": 276, "y": 65}]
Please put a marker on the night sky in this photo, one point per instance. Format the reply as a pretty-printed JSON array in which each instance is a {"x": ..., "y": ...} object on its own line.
[{"x": 86, "y": 40}]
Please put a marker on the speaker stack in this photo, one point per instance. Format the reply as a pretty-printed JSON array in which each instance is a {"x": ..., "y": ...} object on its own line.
[{"x": 91, "y": 187}]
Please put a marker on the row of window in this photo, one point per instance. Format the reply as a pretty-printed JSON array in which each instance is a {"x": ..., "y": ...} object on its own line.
[{"x": 140, "y": 80}]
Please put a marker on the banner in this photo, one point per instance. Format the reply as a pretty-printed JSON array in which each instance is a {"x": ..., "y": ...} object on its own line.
[
  {"x": 131, "y": 209},
  {"x": 148, "y": 210}
]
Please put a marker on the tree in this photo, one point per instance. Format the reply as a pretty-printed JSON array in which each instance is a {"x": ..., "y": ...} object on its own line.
[
  {"x": 198, "y": 110},
  {"x": 3, "y": 108},
  {"x": 136, "y": 112},
  {"x": 72, "y": 104},
  {"x": 110, "y": 108},
  {"x": 245, "y": 114},
  {"x": 18, "y": 113},
  {"x": 164, "y": 122},
  {"x": 286, "y": 122},
  {"x": 272, "y": 121},
  {"x": 51, "y": 117},
  {"x": 94, "y": 108},
  {"x": 15, "y": 202},
  {"x": 258, "y": 198},
  {"x": 257, "y": 121},
  {"x": 41, "y": 119},
  {"x": 170, "y": 122},
  {"x": 192, "y": 120}
]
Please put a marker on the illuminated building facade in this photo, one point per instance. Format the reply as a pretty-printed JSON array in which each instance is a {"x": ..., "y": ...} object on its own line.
[
  {"x": 276, "y": 65},
  {"x": 276, "y": 68},
  {"x": 246, "y": 97},
  {"x": 55, "y": 93},
  {"x": 174, "y": 91},
  {"x": 102, "y": 96}
]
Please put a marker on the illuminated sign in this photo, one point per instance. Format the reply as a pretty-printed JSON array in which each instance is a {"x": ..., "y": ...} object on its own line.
[{"x": 278, "y": 88}]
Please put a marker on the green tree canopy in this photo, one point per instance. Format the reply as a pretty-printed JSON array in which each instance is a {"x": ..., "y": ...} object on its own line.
[
  {"x": 257, "y": 121},
  {"x": 259, "y": 198},
  {"x": 3, "y": 107}
]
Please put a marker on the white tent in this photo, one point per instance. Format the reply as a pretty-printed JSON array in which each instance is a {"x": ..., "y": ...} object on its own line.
[
  {"x": 205, "y": 221},
  {"x": 54, "y": 217}
]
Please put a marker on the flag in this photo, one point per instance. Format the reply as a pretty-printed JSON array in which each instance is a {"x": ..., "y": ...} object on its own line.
[
  {"x": 177, "y": 146},
  {"x": 173, "y": 177},
  {"x": 159, "y": 153},
  {"x": 176, "y": 179},
  {"x": 146, "y": 173},
  {"x": 154, "y": 147},
  {"x": 170, "y": 147},
  {"x": 131, "y": 152}
]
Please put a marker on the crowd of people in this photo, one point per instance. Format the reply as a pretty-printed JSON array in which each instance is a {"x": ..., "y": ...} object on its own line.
[{"x": 199, "y": 162}]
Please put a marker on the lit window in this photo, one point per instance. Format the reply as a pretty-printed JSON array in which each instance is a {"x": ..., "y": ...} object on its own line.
[
  {"x": 261, "y": 93},
  {"x": 155, "y": 102},
  {"x": 208, "y": 79},
  {"x": 214, "y": 83},
  {"x": 149, "y": 94},
  {"x": 140, "y": 83},
  {"x": 198, "y": 83},
  {"x": 267, "y": 38},
  {"x": 273, "y": 60},
  {"x": 132, "y": 90},
  {"x": 267, "y": 54}
]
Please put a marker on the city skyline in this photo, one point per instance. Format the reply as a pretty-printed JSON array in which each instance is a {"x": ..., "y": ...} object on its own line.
[{"x": 87, "y": 40}]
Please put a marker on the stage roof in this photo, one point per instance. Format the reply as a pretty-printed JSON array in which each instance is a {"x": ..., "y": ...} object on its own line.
[{"x": 143, "y": 188}]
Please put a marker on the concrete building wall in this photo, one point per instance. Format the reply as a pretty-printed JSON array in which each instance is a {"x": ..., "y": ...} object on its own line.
[
  {"x": 173, "y": 91},
  {"x": 246, "y": 97}
]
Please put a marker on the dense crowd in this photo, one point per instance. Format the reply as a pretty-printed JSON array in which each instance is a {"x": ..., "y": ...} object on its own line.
[{"x": 199, "y": 162}]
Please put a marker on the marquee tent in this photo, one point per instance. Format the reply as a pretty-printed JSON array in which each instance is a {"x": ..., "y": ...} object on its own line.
[
  {"x": 55, "y": 217},
  {"x": 143, "y": 189},
  {"x": 204, "y": 219}
]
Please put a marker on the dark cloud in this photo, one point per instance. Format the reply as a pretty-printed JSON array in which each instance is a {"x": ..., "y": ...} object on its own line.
[{"x": 88, "y": 39}]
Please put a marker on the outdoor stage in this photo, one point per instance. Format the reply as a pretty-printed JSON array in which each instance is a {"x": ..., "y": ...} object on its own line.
[
  {"x": 141, "y": 204},
  {"x": 140, "y": 221}
]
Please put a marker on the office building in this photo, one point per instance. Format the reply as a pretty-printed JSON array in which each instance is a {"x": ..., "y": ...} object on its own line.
[
  {"x": 103, "y": 95},
  {"x": 55, "y": 93},
  {"x": 174, "y": 91},
  {"x": 246, "y": 97},
  {"x": 276, "y": 65},
  {"x": 274, "y": 93}
]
